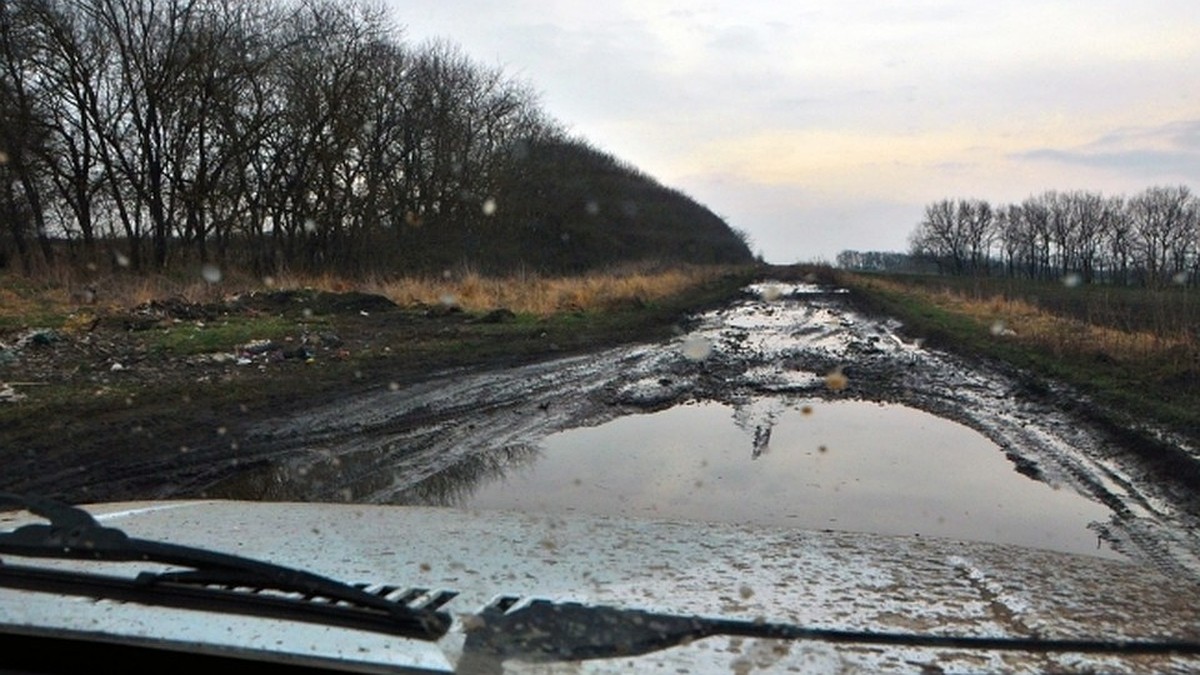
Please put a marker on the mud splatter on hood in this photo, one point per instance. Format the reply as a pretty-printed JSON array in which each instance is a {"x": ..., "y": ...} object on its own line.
[{"x": 828, "y": 580}]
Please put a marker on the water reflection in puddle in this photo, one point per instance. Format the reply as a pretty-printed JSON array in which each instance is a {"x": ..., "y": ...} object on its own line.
[{"x": 843, "y": 465}]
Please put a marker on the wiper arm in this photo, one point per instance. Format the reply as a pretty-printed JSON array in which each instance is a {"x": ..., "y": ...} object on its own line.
[
  {"x": 214, "y": 581},
  {"x": 545, "y": 631}
]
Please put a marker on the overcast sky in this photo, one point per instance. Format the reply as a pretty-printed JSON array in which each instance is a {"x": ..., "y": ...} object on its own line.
[{"x": 817, "y": 126}]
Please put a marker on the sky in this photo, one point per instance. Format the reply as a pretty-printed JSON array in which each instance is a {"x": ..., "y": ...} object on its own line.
[{"x": 817, "y": 126}]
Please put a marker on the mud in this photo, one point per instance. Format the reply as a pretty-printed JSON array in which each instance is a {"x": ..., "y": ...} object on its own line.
[
  {"x": 429, "y": 442},
  {"x": 432, "y": 439}
]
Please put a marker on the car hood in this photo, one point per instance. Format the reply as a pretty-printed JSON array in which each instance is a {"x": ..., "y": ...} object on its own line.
[{"x": 819, "y": 579}]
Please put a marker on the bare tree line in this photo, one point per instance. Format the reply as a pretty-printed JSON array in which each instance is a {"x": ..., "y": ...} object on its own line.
[
  {"x": 1151, "y": 238},
  {"x": 260, "y": 132}
]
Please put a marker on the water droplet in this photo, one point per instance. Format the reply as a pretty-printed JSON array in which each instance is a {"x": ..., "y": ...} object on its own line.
[
  {"x": 268, "y": 281},
  {"x": 1072, "y": 280},
  {"x": 221, "y": 431},
  {"x": 1179, "y": 278},
  {"x": 121, "y": 258},
  {"x": 448, "y": 300},
  {"x": 592, "y": 207},
  {"x": 307, "y": 312},
  {"x": 310, "y": 225},
  {"x": 211, "y": 273},
  {"x": 771, "y": 293},
  {"x": 394, "y": 386},
  {"x": 489, "y": 206},
  {"x": 999, "y": 328},
  {"x": 745, "y": 591},
  {"x": 836, "y": 380},
  {"x": 3, "y": 157},
  {"x": 806, "y": 410},
  {"x": 696, "y": 348}
]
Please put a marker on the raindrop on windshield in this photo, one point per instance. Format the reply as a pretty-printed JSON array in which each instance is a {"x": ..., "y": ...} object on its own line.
[
  {"x": 1072, "y": 280},
  {"x": 999, "y": 328},
  {"x": 1180, "y": 278},
  {"x": 592, "y": 207},
  {"x": 697, "y": 348},
  {"x": 211, "y": 273},
  {"x": 3, "y": 157},
  {"x": 310, "y": 225},
  {"x": 771, "y": 293},
  {"x": 836, "y": 380},
  {"x": 489, "y": 206},
  {"x": 121, "y": 258}
]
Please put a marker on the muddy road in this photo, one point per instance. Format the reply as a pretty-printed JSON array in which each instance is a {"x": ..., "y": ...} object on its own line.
[{"x": 434, "y": 440}]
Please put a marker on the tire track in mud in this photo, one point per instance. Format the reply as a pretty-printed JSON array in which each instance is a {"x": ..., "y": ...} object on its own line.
[{"x": 428, "y": 442}]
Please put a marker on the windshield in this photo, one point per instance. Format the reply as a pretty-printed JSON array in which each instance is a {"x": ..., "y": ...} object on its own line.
[{"x": 904, "y": 273}]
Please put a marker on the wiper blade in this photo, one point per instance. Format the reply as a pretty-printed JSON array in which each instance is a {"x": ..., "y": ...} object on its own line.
[
  {"x": 541, "y": 630},
  {"x": 213, "y": 581}
]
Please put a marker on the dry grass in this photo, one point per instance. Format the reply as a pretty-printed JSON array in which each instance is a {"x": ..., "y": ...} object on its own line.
[
  {"x": 65, "y": 293},
  {"x": 543, "y": 296},
  {"x": 1028, "y": 324}
]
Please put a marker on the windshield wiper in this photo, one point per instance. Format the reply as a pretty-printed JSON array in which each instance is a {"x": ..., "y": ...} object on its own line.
[
  {"x": 216, "y": 582},
  {"x": 541, "y": 630}
]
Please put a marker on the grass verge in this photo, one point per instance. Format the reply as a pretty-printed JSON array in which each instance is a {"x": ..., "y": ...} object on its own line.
[{"x": 1137, "y": 374}]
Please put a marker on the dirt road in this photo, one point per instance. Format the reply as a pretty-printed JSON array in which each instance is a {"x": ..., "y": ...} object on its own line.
[{"x": 428, "y": 439}]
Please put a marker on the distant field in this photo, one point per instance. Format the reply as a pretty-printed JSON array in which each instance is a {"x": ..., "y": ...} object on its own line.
[{"x": 1135, "y": 349}]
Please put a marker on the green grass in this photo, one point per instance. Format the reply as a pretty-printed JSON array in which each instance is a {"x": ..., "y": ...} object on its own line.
[{"x": 222, "y": 335}]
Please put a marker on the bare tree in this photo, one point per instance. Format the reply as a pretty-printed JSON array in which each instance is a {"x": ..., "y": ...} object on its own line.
[{"x": 1161, "y": 228}]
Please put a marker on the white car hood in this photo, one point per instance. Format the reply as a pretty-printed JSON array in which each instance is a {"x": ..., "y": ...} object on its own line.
[{"x": 815, "y": 579}]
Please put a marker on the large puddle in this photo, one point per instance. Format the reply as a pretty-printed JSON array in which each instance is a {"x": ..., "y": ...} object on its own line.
[{"x": 848, "y": 465}]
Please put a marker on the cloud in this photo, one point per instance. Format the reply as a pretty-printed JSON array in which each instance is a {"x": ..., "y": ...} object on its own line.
[{"x": 1165, "y": 151}]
